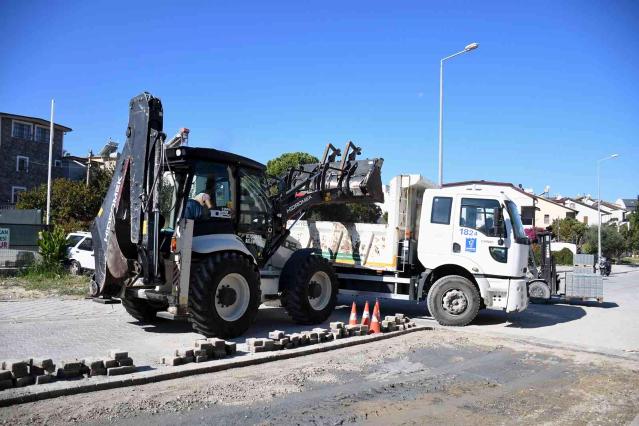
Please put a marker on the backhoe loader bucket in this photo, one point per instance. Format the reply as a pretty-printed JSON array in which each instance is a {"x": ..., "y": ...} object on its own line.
[{"x": 331, "y": 181}]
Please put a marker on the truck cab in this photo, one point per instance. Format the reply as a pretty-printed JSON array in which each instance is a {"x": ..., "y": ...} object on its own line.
[{"x": 480, "y": 235}]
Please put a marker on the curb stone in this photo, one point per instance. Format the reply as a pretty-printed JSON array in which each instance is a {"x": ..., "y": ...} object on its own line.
[{"x": 57, "y": 389}]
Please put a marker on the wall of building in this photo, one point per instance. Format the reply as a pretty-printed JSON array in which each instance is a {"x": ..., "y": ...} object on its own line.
[{"x": 38, "y": 153}]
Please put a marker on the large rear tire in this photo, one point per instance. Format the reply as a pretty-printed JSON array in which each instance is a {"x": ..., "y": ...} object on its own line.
[
  {"x": 310, "y": 288},
  {"x": 142, "y": 310},
  {"x": 224, "y": 295},
  {"x": 454, "y": 301}
]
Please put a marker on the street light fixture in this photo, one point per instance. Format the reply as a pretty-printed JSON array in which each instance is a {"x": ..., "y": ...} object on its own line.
[
  {"x": 468, "y": 48},
  {"x": 610, "y": 157}
]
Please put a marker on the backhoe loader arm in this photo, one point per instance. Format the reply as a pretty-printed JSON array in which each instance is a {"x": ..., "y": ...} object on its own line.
[{"x": 126, "y": 228}]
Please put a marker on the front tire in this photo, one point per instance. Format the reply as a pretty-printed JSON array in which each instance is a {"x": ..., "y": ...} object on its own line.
[
  {"x": 224, "y": 295},
  {"x": 538, "y": 291},
  {"x": 311, "y": 288},
  {"x": 454, "y": 301}
]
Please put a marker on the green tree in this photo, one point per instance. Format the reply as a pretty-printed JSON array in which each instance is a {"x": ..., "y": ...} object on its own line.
[
  {"x": 612, "y": 243},
  {"x": 631, "y": 232},
  {"x": 74, "y": 205},
  {"x": 569, "y": 230},
  {"x": 276, "y": 167},
  {"x": 349, "y": 212}
]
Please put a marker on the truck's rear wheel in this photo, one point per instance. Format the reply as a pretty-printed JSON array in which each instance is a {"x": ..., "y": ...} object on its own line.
[
  {"x": 454, "y": 301},
  {"x": 141, "y": 309},
  {"x": 224, "y": 295},
  {"x": 538, "y": 291},
  {"x": 310, "y": 289}
]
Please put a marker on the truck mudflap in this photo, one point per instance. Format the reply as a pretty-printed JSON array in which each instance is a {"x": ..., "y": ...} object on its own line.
[{"x": 517, "y": 295}]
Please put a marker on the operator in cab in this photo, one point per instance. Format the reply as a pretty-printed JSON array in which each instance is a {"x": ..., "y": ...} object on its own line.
[{"x": 198, "y": 206}]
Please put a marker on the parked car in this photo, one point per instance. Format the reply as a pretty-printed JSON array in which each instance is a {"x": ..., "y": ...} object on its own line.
[{"x": 80, "y": 252}]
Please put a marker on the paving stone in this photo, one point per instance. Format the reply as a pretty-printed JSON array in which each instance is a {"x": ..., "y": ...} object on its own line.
[
  {"x": 116, "y": 371},
  {"x": 45, "y": 378},
  {"x": 400, "y": 316},
  {"x": 277, "y": 346},
  {"x": 201, "y": 358},
  {"x": 24, "y": 381},
  {"x": 6, "y": 384},
  {"x": 5, "y": 375},
  {"x": 217, "y": 343},
  {"x": 337, "y": 325},
  {"x": 364, "y": 329},
  {"x": 184, "y": 352},
  {"x": 205, "y": 345},
  {"x": 18, "y": 368},
  {"x": 71, "y": 365},
  {"x": 172, "y": 360},
  {"x": 45, "y": 364},
  {"x": 276, "y": 334},
  {"x": 200, "y": 352},
  {"x": 67, "y": 374},
  {"x": 230, "y": 348},
  {"x": 110, "y": 363},
  {"x": 117, "y": 354},
  {"x": 187, "y": 359},
  {"x": 124, "y": 362},
  {"x": 256, "y": 349},
  {"x": 219, "y": 352},
  {"x": 284, "y": 341},
  {"x": 254, "y": 342}
]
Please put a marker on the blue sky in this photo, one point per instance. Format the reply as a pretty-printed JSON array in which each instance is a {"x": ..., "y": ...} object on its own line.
[{"x": 553, "y": 87}]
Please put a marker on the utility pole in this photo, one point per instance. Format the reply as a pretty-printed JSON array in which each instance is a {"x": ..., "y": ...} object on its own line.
[
  {"x": 440, "y": 174},
  {"x": 89, "y": 166},
  {"x": 50, "y": 159}
]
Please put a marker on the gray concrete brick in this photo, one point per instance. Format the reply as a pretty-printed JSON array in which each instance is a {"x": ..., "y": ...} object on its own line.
[
  {"x": 200, "y": 352},
  {"x": 336, "y": 325},
  {"x": 117, "y": 371},
  {"x": 172, "y": 360},
  {"x": 24, "y": 381},
  {"x": 187, "y": 359},
  {"x": 201, "y": 358},
  {"x": 184, "y": 352},
  {"x": 45, "y": 364},
  {"x": 44, "y": 378},
  {"x": 276, "y": 334},
  {"x": 116, "y": 354},
  {"x": 217, "y": 343},
  {"x": 18, "y": 368},
  {"x": 6, "y": 384},
  {"x": 5, "y": 375},
  {"x": 125, "y": 362},
  {"x": 110, "y": 363},
  {"x": 230, "y": 348}
]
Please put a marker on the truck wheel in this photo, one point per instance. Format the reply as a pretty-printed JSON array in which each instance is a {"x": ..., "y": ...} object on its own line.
[
  {"x": 142, "y": 310},
  {"x": 453, "y": 300},
  {"x": 538, "y": 291},
  {"x": 311, "y": 287},
  {"x": 224, "y": 295}
]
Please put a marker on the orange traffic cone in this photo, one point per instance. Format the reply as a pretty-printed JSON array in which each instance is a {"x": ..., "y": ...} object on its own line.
[
  {"x": 353, "y": 319},
  {"x": 375, "y": 325},
  {"x": 366, "y": 315}
]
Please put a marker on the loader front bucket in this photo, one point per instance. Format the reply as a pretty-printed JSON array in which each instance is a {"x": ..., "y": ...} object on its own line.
[{"x": 357, "y": 181}]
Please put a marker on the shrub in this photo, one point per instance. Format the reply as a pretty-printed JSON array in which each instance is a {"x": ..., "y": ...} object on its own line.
[
  {"x": 563, "y": 257},
  {"x": 53, "y": 248}
]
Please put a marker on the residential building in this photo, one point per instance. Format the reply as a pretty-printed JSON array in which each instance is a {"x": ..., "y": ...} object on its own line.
[
  {"x": 587, "y": 214},
  {"x": 75, "y": 168},
  {"x": 536, "y": 211},
  {"x": 24, "y": 154},
  {"x": 628, "y": 204}
]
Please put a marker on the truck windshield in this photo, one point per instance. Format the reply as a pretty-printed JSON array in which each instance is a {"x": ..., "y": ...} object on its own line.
[{"x": 515, "y": 220}]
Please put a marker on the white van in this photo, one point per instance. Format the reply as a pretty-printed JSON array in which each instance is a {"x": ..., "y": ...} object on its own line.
[{"x": 80, "y": 252}]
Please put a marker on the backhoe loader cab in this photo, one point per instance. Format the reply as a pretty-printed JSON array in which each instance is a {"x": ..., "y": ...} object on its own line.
[{"x": 188, "y": 232}]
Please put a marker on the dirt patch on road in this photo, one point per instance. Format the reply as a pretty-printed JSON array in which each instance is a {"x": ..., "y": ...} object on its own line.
[{"x": 426, "y": 377}]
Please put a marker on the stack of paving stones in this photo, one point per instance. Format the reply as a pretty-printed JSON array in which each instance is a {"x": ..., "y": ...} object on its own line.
[
  {"x": 396, "y": 322},
  {"x": 203, "y": 350},
  {"x": 18, "y": 373}
]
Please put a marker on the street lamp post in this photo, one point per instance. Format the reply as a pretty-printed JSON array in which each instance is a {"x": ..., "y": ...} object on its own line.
[
  {"x": 468, "y": 48},
  {"x": 599, "y": 204}
]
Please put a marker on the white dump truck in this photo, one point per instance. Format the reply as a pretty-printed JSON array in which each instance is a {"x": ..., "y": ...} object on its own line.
[{"x": 460, "y": 248}]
